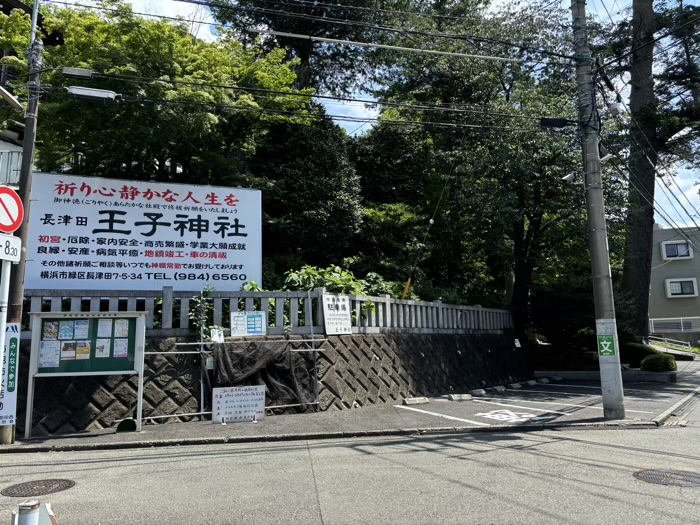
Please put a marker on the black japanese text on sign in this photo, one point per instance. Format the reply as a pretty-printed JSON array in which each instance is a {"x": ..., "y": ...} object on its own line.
[{"x": 102, "y": 234}]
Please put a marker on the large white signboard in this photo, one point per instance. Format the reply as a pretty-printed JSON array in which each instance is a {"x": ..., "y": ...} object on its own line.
[
  {"x": 107, "y": 234},
  {"x": 238, "y": 403},
  {"x": 337, "y": 317},
  {"x": 8, "y": 390}
]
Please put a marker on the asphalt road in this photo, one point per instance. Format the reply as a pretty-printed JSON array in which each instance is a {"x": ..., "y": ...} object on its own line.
[{"x": 564, "y": 477}]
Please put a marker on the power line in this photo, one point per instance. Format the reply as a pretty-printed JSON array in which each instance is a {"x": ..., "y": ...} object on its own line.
[
  {"x": 665, "y": 216},
  {"x": 656, "y": 154},
  {"x": 483, "y": 110},
  {"x": 297, "y": 114},
  {"x": 319, "y": 39},
  {"x": 357, "y": 23},
  {"x": 377, "y": 46},
  {"x": 651, "y": 42}
]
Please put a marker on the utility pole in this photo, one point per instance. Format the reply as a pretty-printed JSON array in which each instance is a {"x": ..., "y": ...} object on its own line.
[
  {"x": 606, "y": 326},
  {"x": 16, "y": 297}
]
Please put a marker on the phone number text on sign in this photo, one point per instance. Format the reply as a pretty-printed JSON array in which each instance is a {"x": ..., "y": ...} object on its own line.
[{"x": 87, "y": 233}]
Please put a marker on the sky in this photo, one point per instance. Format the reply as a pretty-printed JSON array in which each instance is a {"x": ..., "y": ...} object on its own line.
[{"x": 683, "y": 185}]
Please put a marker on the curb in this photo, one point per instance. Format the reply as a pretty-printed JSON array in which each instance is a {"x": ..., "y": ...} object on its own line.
[
  {"x": 661, "y": 418},
  {"x": 126, "y": 445}
]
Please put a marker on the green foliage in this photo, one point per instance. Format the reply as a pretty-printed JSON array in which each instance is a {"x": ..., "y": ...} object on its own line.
[
  {"x": 202, "y": 310},
  {"x": 185, "y": 126},
  {"x": 659, "y": 363},
  {"x": 310, "y": 191},
  {"x": 634, "y": 354}
]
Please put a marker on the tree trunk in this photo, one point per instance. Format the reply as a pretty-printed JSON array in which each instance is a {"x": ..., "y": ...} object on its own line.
[{"x": 643, "y": 158}]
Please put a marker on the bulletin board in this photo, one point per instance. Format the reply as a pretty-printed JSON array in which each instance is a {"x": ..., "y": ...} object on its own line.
[
  {"x": 66, "y": 344},
  {"x": 83, "y": 345}
]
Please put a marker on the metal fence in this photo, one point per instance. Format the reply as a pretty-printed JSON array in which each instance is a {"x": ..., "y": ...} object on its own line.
[
  {"x": 287, "y": 312},
  {"x": 674, "y": 324}
]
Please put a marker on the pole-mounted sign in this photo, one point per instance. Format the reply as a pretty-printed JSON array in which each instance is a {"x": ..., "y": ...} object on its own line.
[{"x": 11, "y": 210}]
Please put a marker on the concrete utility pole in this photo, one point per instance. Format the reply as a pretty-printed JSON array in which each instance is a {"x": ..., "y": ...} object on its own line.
[
  {"x": 606, "y": 327},
  {"x": 16, "y": 297}
]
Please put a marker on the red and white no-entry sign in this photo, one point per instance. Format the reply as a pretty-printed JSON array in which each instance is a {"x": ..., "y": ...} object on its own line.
[{"x": 11, "y": 210}]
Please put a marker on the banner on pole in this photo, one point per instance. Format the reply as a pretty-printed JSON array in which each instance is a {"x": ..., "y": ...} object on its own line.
[{"x": 8, "y": 388}]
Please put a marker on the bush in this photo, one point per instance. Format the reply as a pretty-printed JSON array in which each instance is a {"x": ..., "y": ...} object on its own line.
[
  {"x": 659, "y": 363},
  {"x": 633, "y": 353}
]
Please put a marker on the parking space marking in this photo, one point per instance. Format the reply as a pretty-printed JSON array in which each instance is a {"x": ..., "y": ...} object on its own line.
[
  {"x": 436, "y": 414},
  {"x": 524, "y": 408},
  {"x": 581, "y": 394},
  {"x": 517, "y": 400},
  {"x": 598, "y": 388}
]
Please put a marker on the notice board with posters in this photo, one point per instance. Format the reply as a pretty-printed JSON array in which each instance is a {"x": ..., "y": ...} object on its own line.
[
  {"x": 83, "y": 345},
  {"x": 67, "y": 344},
  {"x": 109, "y": 234}
]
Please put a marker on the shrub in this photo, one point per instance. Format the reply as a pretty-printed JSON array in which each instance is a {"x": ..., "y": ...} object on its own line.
[
  {"x": 634, "y": 353},
  {"x": 659, "y": 363}
]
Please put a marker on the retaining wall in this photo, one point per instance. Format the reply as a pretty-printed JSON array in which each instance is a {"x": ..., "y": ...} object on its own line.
[{"x": 353, "y": 371}]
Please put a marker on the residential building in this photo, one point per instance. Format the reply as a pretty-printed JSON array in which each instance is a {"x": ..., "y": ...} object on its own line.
[{"x": 674, "y": 303}]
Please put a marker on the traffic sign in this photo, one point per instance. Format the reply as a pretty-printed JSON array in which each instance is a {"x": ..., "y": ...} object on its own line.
[
  {"x": 10, "y": 247},
  {"x": 11, "y": 210}
]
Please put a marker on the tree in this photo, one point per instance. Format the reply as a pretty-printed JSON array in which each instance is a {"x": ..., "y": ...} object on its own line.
[
  {"x": 335, "y": 67},
  {"x": 178, "y": 119},
  {"x": 659, "y": 51},
  {"x": 310, "y": 191}
]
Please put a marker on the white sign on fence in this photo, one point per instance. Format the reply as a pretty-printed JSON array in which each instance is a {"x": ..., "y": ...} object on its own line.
[
  {"x": 8, "y": 388},
  {"x": 337, "y": 317},
  {"x": 248, "y": 323},
  {"x": 106, "y": 234},
  {"x": 238, "y": 403}
]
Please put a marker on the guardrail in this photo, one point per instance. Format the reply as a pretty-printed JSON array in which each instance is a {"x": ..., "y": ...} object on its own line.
[{"x": 287, "y": 312}]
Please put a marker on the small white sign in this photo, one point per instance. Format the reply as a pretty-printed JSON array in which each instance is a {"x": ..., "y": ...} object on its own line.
[
  {"x": 8, "y": 385},
  {"x": 238, "y": 403},
  {"x": 248, "y": 323},
  {"x": 216, "y": 334},
  {"x": 517, "y": 343},
  {"x": 10, "y": 247},
  {"x": 337, "y": 317}
]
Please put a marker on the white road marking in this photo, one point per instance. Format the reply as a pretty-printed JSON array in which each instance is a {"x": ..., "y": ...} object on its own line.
[
  {"x": 436, "y": 414},
  {"x": 560, "y": 404},
  {"x": 524, "y": 408},
  {"x": 581, "y": 394},
  {"x": 598, "y": 388}
]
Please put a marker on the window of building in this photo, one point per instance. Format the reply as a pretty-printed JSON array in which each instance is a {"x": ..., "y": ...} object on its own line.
[
  {"x": 681, "y": 288},
  {"x": 676, "y": 250}
]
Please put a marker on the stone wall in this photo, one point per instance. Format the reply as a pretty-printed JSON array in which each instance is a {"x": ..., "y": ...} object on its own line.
[
  {"x": 353, "y": 371},
  {"x": 72, "y": 404}
]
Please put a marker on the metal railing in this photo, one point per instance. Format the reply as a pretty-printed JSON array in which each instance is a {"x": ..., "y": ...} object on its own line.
[
  {"x": 670, "y": 343},
  {"x": 674, "y": 324},
  {"x": 287, "y": 312}
]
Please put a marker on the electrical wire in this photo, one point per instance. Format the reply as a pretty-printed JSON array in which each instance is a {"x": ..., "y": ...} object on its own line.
[
  {"x": 296, "y": 114},
  {"x": 367, "y": 25},
  {"x": 482, "y": 110},
  {"x": 656, "y": 154},
  {"x": 311, "y": 38},
  {"x": 651, "y": 42},
  {"x": 663, "y": 214}
]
